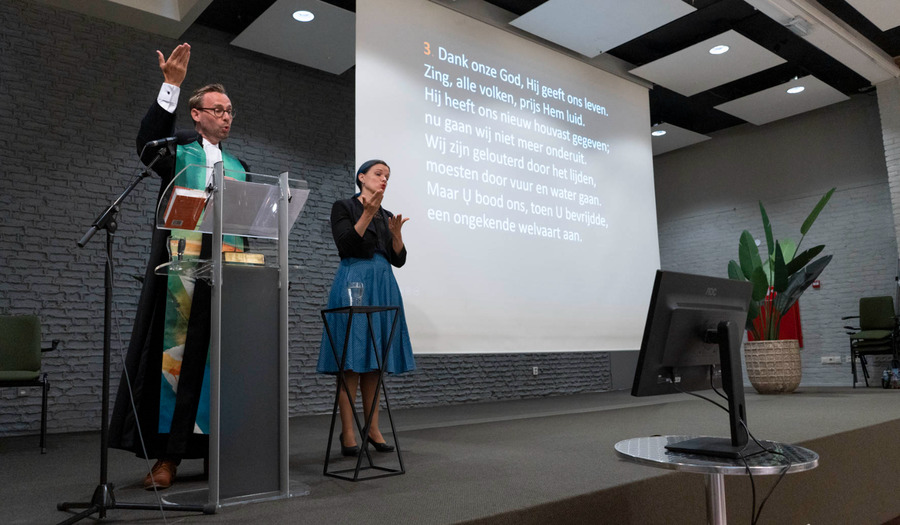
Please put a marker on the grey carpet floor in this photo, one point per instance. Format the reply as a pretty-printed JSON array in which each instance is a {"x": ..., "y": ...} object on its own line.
[{"x": 463, "y": 462}]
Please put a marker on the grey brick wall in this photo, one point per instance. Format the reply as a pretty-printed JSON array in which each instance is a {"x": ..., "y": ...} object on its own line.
[
  {"x": 837, "y": 145},
  {"x": 889, "y": 113},
  {"x": 889, "y": 105},
  {"x": 856, "y": 228},
  {"x": 71, "y": 96}
]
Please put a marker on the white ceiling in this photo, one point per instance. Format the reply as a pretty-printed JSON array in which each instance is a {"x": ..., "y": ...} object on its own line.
[
  {"x": 675, "y": 138},
  {"x": 328, "y": 42},
  {"x": 885, "y": 14},
  {"x": 776, "y": 103},
  {"x": 591, "y": 27},
  {"x": 169, "y": 18},
  {"x": 694, "y": 69}
]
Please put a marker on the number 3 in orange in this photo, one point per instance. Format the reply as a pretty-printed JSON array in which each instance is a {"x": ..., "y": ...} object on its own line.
[{"x": 427, "y": 48}]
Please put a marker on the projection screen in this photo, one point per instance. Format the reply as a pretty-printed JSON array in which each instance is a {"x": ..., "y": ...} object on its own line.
[{"x": 527, "y": 177}]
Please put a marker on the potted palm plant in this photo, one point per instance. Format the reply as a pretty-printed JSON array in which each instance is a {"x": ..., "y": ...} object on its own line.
[{"x": 773, "y": 363}]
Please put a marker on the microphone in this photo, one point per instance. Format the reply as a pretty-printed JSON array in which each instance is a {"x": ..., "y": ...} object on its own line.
[{"x": 182, "y": 137}]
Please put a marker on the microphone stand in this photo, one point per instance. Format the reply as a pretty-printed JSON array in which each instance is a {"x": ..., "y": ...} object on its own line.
[{"x": 104, "y": 496}]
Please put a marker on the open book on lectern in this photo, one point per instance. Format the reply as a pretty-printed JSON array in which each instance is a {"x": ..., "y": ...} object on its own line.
[{"x": 249, "y": 206}]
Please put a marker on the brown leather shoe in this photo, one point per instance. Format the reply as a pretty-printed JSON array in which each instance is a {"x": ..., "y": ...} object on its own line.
[{"x": 162, "y": 475}]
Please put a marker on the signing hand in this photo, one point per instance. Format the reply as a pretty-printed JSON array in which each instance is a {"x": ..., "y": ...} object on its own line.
[
  {"x": 371, "y": 204},
  {"x": 395, "y": 223},
  {"x": 175, "y": 67}
]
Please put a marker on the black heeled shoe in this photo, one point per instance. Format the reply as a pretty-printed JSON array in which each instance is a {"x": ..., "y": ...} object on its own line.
[
  {"x": 381, "y": 447},
  {"x": 348, "y": 451}
]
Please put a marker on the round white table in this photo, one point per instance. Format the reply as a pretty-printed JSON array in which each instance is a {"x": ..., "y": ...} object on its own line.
[{"x": 651, "y": 451}]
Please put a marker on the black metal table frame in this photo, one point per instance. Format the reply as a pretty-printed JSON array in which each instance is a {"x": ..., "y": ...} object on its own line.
[{"x": 341, "y": 383}]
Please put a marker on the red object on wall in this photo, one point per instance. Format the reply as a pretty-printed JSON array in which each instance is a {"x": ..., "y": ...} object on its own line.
[{"x": 790, "y": 325}]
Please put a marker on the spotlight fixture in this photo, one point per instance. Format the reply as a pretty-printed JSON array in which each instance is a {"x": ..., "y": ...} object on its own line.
[
  {"x": 658, "y": 133},
  {"x": 718, "y": 50},
  {"x": 799, "y": 26},
  {"x": 303, "y": 16},
  {"x": 796, "y": 89}
]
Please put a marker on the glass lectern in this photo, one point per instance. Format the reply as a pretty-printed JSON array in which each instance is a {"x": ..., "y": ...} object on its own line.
[{"x": 248, "y": 401}]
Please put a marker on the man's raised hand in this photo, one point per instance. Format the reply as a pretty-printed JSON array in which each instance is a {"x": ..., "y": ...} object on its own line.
[{"x": 175, "y": 67}]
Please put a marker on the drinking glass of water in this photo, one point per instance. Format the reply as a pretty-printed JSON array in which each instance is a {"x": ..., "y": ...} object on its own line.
[{"x": 355, "y": 293}]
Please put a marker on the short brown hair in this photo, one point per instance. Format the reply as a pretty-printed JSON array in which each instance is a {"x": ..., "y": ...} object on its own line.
[{"x": 196, "y": 100}]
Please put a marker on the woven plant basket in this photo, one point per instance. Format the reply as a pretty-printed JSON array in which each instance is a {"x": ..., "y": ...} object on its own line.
[{"x": 773, "y": 367}]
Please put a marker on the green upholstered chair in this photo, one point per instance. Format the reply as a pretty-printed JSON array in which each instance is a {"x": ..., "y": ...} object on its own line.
[
  {"x": 877, "y": 333},
  {"x": 20, "y": 359}
]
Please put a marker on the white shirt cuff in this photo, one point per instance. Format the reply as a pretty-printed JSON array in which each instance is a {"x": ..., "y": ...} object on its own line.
[{"x": 168, "y": 97}]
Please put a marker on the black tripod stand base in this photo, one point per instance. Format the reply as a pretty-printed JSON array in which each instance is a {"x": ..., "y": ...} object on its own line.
[{"x": 105, "y": 499}]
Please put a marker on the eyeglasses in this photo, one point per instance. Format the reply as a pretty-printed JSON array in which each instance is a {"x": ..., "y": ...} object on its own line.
[{"x": 219, "y": 112}]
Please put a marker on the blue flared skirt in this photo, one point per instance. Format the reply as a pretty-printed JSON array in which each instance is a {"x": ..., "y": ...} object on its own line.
[{"x": 380, "y": 289}]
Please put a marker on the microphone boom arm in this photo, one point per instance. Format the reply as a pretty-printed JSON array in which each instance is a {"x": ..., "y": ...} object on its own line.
[{"x": 107, "y": 219}]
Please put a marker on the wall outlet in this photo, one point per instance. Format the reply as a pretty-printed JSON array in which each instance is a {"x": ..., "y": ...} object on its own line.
[
  {"x": 535, "y": 370},
  {"x": 831, "y": 359}
]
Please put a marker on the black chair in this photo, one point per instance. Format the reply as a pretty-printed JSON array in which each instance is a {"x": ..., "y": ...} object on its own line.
[
  {"x": 877, "y": 333},
  {"x": 20, "y": 359}
]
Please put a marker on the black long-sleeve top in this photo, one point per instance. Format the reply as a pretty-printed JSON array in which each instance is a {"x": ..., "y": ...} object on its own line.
[{"x": 344, "y": 216}]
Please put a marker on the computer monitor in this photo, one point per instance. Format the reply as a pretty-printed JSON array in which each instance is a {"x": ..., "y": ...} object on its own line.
[{"x": 691, "y": 341}]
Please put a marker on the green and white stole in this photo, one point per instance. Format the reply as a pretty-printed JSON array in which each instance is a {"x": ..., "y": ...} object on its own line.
[{"x": 180, "y": 290}]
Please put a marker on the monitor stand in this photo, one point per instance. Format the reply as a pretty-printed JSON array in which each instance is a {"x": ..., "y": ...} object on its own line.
[
  {"x": 727, "y": 336},
  {"x": 717, "y": 447}
]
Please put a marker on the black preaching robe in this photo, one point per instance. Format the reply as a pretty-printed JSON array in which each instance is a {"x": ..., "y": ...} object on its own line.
[{"x": 143, "y": 363}]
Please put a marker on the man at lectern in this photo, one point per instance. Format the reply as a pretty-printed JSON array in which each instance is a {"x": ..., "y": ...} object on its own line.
[{"x": 167, "y": 361}]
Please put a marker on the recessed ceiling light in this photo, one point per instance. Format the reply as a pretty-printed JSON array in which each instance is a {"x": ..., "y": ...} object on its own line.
[
  {"x": 303, "y": 16},
  {"x": 796, "y": 89},
  {"x": 718, "y": 50},
  {"x": 658, "y": 133}
]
